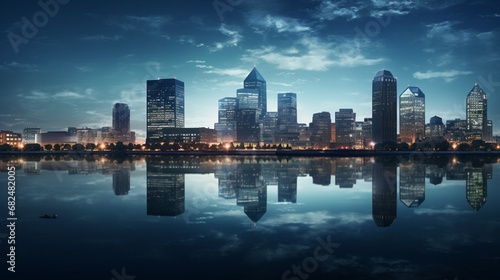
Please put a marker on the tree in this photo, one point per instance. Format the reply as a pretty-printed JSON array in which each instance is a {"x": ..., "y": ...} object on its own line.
[
  {"x": 67, "y": 147},
  {"x": 464, "y": 147},
  {"x": 90, "y": 146},
  {"x": 442, "y": 145},
  {"x": 130, "y": 147},
  {"x": 478, "y": 145},
  {"x": 403, "y": 146},
  {"x": 32, "y": 147},
  {"x": 5, "y": 148},
  {"x": 48, "y": 147},
  {"x": 120, "y": 146},
  {"x": 78, "y": 147},
  {"x": 57, "y": 147}
]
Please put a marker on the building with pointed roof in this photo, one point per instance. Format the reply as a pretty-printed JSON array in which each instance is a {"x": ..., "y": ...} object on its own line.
[
  {"x": 254, "y": 80},
  {"x": 477, "y": 117},
  {"x": 412, "y": 115}
]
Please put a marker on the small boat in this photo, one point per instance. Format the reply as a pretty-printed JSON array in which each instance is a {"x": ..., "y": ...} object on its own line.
[{"x": 46, "y": 216}]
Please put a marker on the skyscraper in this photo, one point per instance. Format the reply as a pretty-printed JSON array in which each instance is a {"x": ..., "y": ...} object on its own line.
[
  {"x": 321, "y": 130},
  {"x": 226, "y": 127},
  {"x": 247, "y": 118},
  {"x": 288, "y": 129},
  {"x": 412, "y": 115},
  {"x": 345, "y": 122},
  {"x": 121, "y": 118},
  {"x": 435, "y": 129},
  {"x": 384, "y": 107},
  {"x": 477, "y": 117},
  {"x": 254, "y": 80},
  {"x": 165, "y": 107}
]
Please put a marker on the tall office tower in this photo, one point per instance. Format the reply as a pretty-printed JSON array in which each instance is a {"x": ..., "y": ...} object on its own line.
[
  {"x": 226, "y": 127},
  {"x": 384, "y": 193},
  {"x": 321, "y": 130},
  {"x": 254, "y": 80},
  {"x": 435, "y": 129},
  {"x": 477, "y": 117},
  {"x": 489, "y": 131},
  {"x": 29, "y": 134},
  {"x": 384, "y": 107},
  {"x": 121, "y": 118},
  {"x": 476, "y": 187},
  {"x": 345, "y": 122},
  {"x": 269, "y": 127},
  {"x": 165, "y": 107},
  {"x": 288, "y": 129},
  {"x": 456, "y": 130},
  {"x": 247, "y": 118},
  {"x": 412, "y": 115},
  {"x": 412, "y": 184}
]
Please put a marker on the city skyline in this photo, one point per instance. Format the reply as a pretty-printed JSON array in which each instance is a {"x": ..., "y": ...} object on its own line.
[{"x": 326, "y": 52}]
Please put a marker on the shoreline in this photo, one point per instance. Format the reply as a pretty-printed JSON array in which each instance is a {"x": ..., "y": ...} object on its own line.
[{"x": 287, "y": 153}]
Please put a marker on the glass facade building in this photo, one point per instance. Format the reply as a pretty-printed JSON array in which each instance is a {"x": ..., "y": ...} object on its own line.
[
  {"x": 254, "y": 80},
  {"x": 345, "y": 122},
  {"x": 412, "y": 115},
  {"x": 165, "y": 106},
  {"x": 226, "y": 127},
  {"x": 121, "y": 118},
  {"x": 288, "y": 129},
  {"x": 321, "y": 130},
  {"x": 477, "y": 117},
  {"x": 384, "y": 107}
]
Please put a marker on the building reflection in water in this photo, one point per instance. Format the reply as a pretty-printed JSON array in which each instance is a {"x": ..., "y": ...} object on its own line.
[
  {"x": 251, "y": 190},
  {"x": 412, "y": 183},
  {"x": 476, "y": 186},
  {"x": 245, "y": 179},
  {"x": 384, "y": 194},
  {"x": 165, "y": 189}
]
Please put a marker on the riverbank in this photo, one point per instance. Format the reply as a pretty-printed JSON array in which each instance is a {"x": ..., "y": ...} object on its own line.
[{"x": 288, "y": 153}]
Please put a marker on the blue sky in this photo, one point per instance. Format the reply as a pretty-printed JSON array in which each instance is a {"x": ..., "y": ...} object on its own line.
[{"x": 87, "y": 55}]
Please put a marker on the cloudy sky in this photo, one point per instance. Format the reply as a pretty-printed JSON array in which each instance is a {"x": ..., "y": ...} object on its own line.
[{"x": 68, "y": 65}]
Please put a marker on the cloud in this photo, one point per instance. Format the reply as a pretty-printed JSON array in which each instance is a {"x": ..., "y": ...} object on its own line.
[
  {"x": 445, "y": 32},
  {"x": 448, "y": 210},
  {"x": 234, "y": 38},
  {"x": 85, "y": 69},
  {"x": 234, "y": 72},
  {"x": 330, "y": 10},
  {"x": 448, "y": 75},
  {"x": 313, "y": 54},
  {"x": 284, "y": 24},
  {"x": 16, "y": 66},
  {"x": 101, "y": 38},
  {"x": 69, "y": 94},
  {"x": 63, "y": 95},
  {"x": 145, "y": 23}
]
